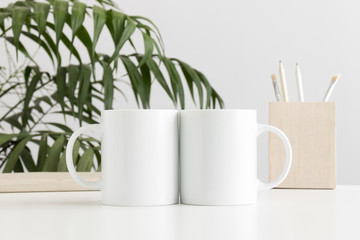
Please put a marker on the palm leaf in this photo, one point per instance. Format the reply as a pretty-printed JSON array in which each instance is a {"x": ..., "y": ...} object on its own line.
[
  {"x": 192, "y": 77},
  {"x": 85, "y": 39},
  {"x": 29, "y": 94},
  {"x": 86, "y": 161},
  {"x": 175, "y": 81},
  {"x": 18, "y": 18},
  {"x": 85, "y": 75},
  {"x": 81, "y": 117},
  {"x": 67, "y": 44},
  {"x": 118, "y": 22},
  {"x": 20, "y": 46},
  {"x": 77, "y": 17},
  {"x": 28, "y": 160},
  {"x": 41, "y": 43},
  {"x": 115, "y": 22},
  {"x": 125, "y": 36},
  {"x": 76, "y": 152},
  {"x": 60, "y": 81},
  {"x": 48, "y": 40},
  {"x": 146, "y": 76},
  {"x": 136, "y": 81},
  {"x": 3, "y": 16},
  {"x": 99, "y": 15},
  {"x": 14, "y": 155},
  {"x": 42, "y": 153},
  {"x": 108, "y": 86},
  {"x": 52, "y": 159},
  {"x": 45, "y": 99},
  {"x": 207, "y": 86},
  {"x": 157, "y": 32},
  {"x": 4, "y": 138},
  {"x": 216, "y": 98},
  {"x": 14, "y": 122},
  {"x": 60, "y": 126},
  {"x": 18, "y": 167},
  {"x": 154, "y": 68},
  {"x": 72, "y": 82},
  {"x": 60, "y": 13},
  {"x": 148, "y": 47},
  {"x": 62, "y": 163},
  {"x": 41, "y": 12}
]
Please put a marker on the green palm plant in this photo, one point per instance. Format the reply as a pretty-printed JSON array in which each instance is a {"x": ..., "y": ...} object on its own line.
[{"x": 78, "y": 82}]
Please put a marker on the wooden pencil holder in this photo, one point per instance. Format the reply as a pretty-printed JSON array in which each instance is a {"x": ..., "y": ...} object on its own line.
[{"x": 310, "y": 128}]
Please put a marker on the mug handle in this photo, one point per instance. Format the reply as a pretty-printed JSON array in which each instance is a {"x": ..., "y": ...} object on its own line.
[
  {"x": 266, "y": 128},
  {"x": 69, "y": 157}
]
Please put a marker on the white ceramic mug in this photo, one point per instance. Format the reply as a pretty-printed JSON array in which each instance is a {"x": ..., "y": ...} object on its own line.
[
  {"x": 139, "y": 150},
  {"x": 218, "y": 159}
]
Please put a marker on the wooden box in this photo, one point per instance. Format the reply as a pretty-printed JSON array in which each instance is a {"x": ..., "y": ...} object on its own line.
[{"x": 310, "y": 128}]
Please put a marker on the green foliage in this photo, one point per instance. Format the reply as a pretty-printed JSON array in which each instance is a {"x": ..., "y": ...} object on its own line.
[{"x": 72, "y": 90}]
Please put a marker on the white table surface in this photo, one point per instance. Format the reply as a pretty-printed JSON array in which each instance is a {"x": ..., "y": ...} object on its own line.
[{"x": 279, "y": 214}]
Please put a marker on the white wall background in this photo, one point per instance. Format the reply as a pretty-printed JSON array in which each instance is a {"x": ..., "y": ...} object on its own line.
[{"x": 238, "y": 44}]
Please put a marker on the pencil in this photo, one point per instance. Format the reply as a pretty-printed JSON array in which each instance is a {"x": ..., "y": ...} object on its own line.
[
  {"x": 283, "y": 82},
  {"x": 299, "y": 84}
]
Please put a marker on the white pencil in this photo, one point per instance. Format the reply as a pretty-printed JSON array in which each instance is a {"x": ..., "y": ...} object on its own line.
[
  {"x": 276, "y": 88},
  {"x": 333, "y": 81},
  {"x": 283, "y": 82},
  {"x": 299, "y": 84}
]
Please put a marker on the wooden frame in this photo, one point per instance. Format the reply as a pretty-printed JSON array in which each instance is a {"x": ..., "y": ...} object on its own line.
[
  {"x": 43, "y": 181},
  {"x": 310, "y": 128}
]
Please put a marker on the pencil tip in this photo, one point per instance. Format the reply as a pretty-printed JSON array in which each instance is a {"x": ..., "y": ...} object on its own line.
[
  {"x": 279, "y": 61},
  {"x": 297, "y": 64}
]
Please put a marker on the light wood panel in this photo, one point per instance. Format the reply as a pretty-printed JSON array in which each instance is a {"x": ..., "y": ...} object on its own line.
[
  {"x": 43, "y": 181},
  {"x": 310, "y": 128}
]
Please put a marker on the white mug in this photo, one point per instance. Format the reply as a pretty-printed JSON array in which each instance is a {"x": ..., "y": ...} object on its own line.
[
  {"x": 218, "y": 159},
  {"x": 139, "y": 150}
]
